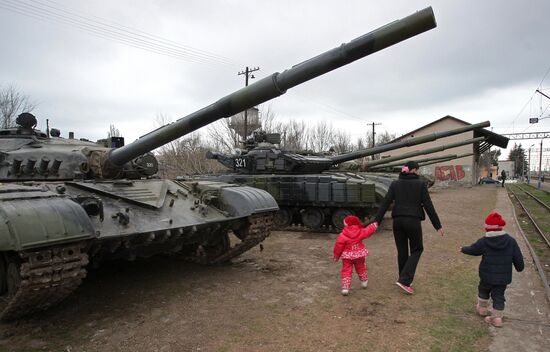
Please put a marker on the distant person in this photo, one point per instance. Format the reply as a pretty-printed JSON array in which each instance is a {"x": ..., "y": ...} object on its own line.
[
  {"x": 411, "y": 198},
  {"x": 503, "y": 177},
  {"x": 350, "y": 248},
  {"x": 499, "y": 251}
]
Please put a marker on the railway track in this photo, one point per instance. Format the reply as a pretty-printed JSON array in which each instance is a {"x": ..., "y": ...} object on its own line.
[
  {"x": 521, "y": 194},
  {"x": 540, "y": 252}
]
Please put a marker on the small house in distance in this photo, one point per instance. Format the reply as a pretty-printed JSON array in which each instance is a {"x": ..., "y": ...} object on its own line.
[{"x": 465, "y": 170}]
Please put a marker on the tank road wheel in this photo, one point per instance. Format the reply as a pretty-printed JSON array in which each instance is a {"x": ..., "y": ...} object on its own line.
[
  {"x": 313, "y": 218},
  {"x": 10, "y": 278},
  {"x": 217, "y": 246},
  {"x": 3, "y": 274},
  {"x": 283, "y": 218},
  {"x": 338, "y": 218},
  {"x": 13, "y": 276}
]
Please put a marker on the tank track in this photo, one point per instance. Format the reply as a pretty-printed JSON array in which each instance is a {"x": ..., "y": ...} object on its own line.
[
  {"x": 47, "y": 277},
  {"x": 259, "y": 227}
]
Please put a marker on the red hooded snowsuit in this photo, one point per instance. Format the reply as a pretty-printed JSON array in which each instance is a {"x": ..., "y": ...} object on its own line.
[{"x": 349, "y": 246}]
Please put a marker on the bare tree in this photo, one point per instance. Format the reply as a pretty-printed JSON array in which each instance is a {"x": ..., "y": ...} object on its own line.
[
  {"x": 184, "y": 156},
  {"x": 384, "y": 137},
  {"x": 342, "y": 142},
  {"x": 13, "y": 103},
  {"x": 222, "y": 137}
]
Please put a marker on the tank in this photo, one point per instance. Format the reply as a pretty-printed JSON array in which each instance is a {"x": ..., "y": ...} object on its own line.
[
  {"x": 307, "y": 189},
  {"x": 66, "y": 202}
]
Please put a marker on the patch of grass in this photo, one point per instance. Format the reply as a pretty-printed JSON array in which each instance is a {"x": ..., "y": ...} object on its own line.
[
  {"x": 456, "y": 334},
  {"x": 453, "y": 325}
]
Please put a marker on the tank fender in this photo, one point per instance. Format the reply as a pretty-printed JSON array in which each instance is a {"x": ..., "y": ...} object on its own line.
[
  {"x": 244, "y": 201},
  {"x": 32, "y": 222}
]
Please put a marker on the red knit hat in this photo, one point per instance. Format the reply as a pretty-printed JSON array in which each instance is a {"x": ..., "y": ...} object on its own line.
[
  {"x": 494, "y": 222},
  {"x": 352, "y": 220}
]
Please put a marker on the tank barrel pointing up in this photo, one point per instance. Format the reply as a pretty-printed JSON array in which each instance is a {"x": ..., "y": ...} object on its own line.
[
  {"x": 277, "y": 84},
  {"x": 426, "y": 151},
  {"x": 406, "y": 143},
  {"x": 423, "y": 160}
]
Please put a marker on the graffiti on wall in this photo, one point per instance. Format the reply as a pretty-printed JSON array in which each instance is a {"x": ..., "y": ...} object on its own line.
[{"x": 449, "y": 173}]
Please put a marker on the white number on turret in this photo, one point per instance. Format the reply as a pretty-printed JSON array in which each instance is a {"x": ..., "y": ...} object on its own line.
[{"x": 240, "y": 163}]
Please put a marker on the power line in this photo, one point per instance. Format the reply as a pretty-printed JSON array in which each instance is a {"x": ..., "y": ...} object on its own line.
[
  {"x": 112, "y": 31},
  {"x": 142, "y": 33},
  {"x": 529, "y": 100}
]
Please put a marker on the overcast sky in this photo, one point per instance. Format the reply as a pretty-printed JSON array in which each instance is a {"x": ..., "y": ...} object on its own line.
[{"x": 483, "y": 61}]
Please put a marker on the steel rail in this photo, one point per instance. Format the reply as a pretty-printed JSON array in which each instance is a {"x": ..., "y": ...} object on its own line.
[
  {"x": 534, "y": 255},
  {"x": 539, "y": 230},
  {"x": 535, "y": 198}
]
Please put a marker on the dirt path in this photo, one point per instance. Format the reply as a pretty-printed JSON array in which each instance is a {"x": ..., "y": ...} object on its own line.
[
  {"x": 285, "y": 298},
  {"x": 527, "y": 313}
]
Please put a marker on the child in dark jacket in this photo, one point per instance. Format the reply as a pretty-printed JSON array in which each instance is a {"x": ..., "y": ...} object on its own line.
[
  {"x": 349, "y": 246},
  {"x": 499, "y": 251}
]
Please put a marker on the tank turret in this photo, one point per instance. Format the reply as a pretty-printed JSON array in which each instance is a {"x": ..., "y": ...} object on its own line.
[{"x": 66, "y": 201}]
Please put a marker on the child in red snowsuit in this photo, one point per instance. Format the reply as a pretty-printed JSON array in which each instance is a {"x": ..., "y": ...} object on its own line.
[{"x": 349, "y": 246}]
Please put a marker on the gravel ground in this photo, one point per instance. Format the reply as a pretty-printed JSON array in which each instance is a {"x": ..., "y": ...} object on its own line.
[{"x": 285, "y": 298}]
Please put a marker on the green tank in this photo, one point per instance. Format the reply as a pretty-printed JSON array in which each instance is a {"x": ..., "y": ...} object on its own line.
[
  {"x": 309, "y": 191},
  {"x": 65, "y": 202}
]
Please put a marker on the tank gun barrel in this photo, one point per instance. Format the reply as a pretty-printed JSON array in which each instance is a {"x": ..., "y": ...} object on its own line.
[
  {"x": 444, "y": 160},
  {"x": 406, "y": 143},
  {"x": 401, "y": 163},
  {"x": 277, "y": 84},
  {"x": 425, "y": 151},
  {"x": 421, "y": 162}
]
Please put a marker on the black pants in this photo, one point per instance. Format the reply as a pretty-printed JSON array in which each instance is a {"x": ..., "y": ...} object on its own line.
[
  {"x": 407, "y": 231},
  {"x": 496, "y": 292},
  {"x": 503, "y": 182}
]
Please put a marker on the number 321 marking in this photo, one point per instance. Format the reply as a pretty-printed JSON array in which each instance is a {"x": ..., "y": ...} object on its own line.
[{"x": 240, "y": 162}]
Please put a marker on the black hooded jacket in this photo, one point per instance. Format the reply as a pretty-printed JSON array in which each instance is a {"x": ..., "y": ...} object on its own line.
[
  {"x": 410, "y": 196},
  {"x": 499, "y": 251}
]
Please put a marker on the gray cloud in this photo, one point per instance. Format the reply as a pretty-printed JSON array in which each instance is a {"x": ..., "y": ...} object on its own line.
[{"x": 480, "y": 49}]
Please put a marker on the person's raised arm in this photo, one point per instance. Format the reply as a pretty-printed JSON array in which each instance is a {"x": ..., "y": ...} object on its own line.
[{"x": 369, "y": 230}]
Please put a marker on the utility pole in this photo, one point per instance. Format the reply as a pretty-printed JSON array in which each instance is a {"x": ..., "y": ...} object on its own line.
[
  {"x": 373, "y": 132},
  {"x": 247, "y": 73},
  {"x": 540, "y": 164}
]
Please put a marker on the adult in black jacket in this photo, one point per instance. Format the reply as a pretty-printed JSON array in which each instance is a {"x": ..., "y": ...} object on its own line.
[
  {"x": 410, "y": 197},
  {"x": 499, "y": 251}
]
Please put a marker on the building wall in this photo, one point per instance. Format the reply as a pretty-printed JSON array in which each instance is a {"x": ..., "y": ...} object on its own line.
[{"x": 463, "y": 171}]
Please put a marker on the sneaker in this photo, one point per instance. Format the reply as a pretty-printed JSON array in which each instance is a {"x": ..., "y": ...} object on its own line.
[
  {"x": 364, "y": 283},
  {"x": 494, "y": 321},
  {"x": 405, "y": 288},
  {"x": 345, "y": 292}
]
